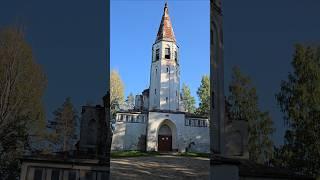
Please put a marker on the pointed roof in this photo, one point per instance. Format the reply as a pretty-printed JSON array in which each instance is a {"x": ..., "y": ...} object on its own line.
[{"x": 165, "y": 31}]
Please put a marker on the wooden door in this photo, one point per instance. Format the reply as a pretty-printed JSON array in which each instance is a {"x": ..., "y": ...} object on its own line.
[{"x": 164, "y": 143}]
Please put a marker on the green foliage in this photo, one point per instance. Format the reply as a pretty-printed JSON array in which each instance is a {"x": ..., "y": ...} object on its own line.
[
  {"x": 188, "y": 100},
  {"x": 64, "y": 126},
  {"x": 122, "y": 154},
  {"x": 194, "y": 154},
  {"x": 22, "y": 84},
  {"x": 130, "y": 101},
  {"x": 243, "y": 105},
  {"x": 116, "y": 92},
  {"x": 299, "y": 100},
  {"x": 204, "y": 96}
]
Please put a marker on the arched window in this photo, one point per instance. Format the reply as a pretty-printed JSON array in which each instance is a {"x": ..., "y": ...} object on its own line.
[
  {"x": 157, "y": 54},
  {"x": 167, "y": 53},
  {"x": 176, "y": 56}
]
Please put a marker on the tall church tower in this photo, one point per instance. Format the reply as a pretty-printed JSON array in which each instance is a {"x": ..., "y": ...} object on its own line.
[{"x": 165, "y": 72}]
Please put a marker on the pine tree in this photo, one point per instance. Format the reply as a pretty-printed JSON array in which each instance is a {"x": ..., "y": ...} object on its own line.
[
  {"x": 130, "y": 101},
  {"x": 243, "y": 105},
  {"x": 299, "y": 100},
  {"x": 188, "y": 100},
  {"x": 64, "y": 126},
  {"x": 204, "y": 96}
]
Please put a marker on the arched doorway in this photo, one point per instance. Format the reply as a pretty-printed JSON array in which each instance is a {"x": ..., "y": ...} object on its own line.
[{"x": 164, "y": 138}]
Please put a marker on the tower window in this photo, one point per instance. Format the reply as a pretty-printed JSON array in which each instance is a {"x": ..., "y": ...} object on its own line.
[
  {"x": 157, "y": 55},
  {"x": 166, "y": 99},
  {"x": 155, "y": 91},
  {"x": 167, "y": 53},
  {"x": 167, "y": 69},
  {"x": 156, "y": 71},
  {"x": 175, "y": 56}
]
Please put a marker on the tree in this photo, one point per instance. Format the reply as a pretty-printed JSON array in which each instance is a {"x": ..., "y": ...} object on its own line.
[
  {"x": 243, "y": 105},
  {"x": 130, "y": 101},
  {"x": 188, "y": 100},
  {"x": 116, "y": 92},
  {"x": 22, "y": 85},
  {"x": 299, "y": 100},
  {"x": 64, "y": 126},
  {"x": 203, "y": 93}
]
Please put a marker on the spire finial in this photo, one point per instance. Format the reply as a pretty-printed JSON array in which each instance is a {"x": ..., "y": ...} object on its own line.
[{"x": 166, "y": 6}]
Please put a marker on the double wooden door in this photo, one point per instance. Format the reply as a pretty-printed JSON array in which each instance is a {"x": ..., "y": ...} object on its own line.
[{"x": 164, "y": 143}]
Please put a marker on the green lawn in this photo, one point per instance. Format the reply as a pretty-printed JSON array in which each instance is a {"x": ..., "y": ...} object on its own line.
[
  {"x": 192, "y": 154},
  {"x": 120, "y": 154}
]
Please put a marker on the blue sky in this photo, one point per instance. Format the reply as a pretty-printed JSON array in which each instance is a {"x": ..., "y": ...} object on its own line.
[{"x": 133, "y": 33}]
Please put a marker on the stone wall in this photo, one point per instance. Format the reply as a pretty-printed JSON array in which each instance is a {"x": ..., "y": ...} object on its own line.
[
  {"x": 196, "y": 135},
  {"x": 130, "y": 132}
]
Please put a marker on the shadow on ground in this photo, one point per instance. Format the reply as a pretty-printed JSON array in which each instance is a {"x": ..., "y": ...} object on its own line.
[{"x": 160, "y": 167}]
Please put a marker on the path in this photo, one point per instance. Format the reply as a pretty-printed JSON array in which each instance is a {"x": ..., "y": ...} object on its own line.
[{"x": 160, "y": 167}]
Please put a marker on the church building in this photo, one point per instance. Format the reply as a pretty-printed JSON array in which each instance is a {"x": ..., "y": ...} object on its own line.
[{"x": 158, "y": 121}]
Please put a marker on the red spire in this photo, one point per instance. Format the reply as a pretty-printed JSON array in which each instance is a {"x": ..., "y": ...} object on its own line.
[{"x": 165, "y": 31}]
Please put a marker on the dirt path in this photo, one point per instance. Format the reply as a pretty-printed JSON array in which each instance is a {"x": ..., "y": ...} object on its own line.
[{"x": 160, "y": 167}]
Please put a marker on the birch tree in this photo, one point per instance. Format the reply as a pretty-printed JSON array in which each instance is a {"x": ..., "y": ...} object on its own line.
[{"x": 22, "y": 85}]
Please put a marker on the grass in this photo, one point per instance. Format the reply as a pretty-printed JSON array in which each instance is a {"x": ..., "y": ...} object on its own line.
[
  {"x": 121, "y": 154},
  {"x": 193, "y": 154}
]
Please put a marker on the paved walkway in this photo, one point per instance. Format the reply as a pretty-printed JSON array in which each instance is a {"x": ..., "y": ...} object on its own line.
[{"x": 160, "y": 167}]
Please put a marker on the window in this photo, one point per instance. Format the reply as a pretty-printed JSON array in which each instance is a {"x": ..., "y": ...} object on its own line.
[
  {"x": 167, "y": 53},
  {"x": 199, "y": 123},
  {"x": 55, "y": 174},
  {"x": 72, "y": 175},
  {"x": 156, "y": 71},
  {"x": 121, "y": 117},
  {"x": 102, "y": 175},
  {"x": 157, "y": 55},
  {"x": 167, "y": 69},
  {"x": 189, "y": 122},
  {"x": 175, "y": 56},
  {"x": 38, "y": 174},
  {"x": 166, "y": 99},
  {"x": 186, "y": 122},
  {"x": 155, "y": 91},
  {"x": 90, "y": 175},
  {"x": 127, "y": 118}
]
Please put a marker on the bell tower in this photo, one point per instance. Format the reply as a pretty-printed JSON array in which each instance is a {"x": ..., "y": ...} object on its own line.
[{"x": 164, "y": 87}]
